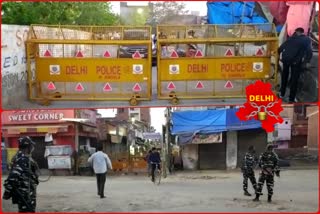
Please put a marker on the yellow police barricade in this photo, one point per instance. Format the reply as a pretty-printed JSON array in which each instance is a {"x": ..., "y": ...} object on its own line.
[
  {"x": 214, "y": 61},
  {"x": 93, "y": 63}
]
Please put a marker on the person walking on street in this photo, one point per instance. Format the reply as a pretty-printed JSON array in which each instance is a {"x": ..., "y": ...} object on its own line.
[
  {"x": 269, "y": 167},
  {"x": 247, "y": 169},
  {"x": 155, "y": 161},
  {"x": 296, "y": 52},
  {"x": 21, "y": 184},
  {"x": 100, "y": 162}
]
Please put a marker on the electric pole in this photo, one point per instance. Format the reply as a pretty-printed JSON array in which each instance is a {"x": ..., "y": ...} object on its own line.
[{"x": 166, "y": 143}]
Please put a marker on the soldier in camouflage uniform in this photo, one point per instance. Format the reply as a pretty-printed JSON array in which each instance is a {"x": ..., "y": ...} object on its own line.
[
  {"x": 247, "y": 169},
  {"x": 269, "y": 167},
  {"x": 21, "y": 184}
]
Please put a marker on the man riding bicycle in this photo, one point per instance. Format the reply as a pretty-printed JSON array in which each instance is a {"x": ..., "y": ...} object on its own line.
[{"x": 155, "y": 160}]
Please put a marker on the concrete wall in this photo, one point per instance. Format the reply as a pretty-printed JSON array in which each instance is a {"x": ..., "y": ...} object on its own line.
[
  {"x": 313, "y": 124},
  {"x": 190, "y": 156},
  {"x": 232, "y": 148},
  {"x": 13, "y": 65},
  {"x": 194, "y": 108},
  {"x": 286, "y": 153},
  {"x": 180, "y": 20}
]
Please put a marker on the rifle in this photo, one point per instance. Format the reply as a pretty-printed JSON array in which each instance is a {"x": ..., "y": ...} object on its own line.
[
  {"x": 23, "y": 199},
  {"x": 276, "y": 172}
]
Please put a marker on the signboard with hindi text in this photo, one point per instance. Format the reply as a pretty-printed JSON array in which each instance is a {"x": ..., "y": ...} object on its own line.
[{"x": 207, "y": 139}]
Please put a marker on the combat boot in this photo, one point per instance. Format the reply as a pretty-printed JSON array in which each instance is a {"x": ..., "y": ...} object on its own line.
[
  {"x": 246, "y": 193},
  {"x": 269, "y": 198},
  {"x": 255, "y": 190},
  {"x": 257, "y": 197}
]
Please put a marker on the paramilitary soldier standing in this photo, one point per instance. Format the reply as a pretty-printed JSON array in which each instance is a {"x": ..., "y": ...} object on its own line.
[
  {"x": 269, "y": 167},
  {"x": 247, "y": 169},
  {"x": 21, "y": 184}
]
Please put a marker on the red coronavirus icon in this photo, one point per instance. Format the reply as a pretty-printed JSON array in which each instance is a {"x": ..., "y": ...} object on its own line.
[{"x": 262, "y": 104}]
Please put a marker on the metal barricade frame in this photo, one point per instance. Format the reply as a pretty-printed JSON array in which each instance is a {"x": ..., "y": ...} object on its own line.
[
  {"x": 95, "y": 63},
  {"x": 219, "y": 54}
]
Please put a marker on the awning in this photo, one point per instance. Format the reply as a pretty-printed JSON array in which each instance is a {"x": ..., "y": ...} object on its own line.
[
  {"x": 189, "y": 123},
  {"x": 38, "y": 129},
  {"x": 89, "y": 129},
  {"x": 235, "y": 124},
  {"x": 78, "y": 120},
  {"x": 204, "y": 122}
]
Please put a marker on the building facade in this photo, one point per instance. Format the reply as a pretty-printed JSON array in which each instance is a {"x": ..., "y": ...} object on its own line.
[
  {"x": 313, "y": 134},
  {"x": 123, "y": 138},
  {"x": 225, "y": 153},
  {"x": 294, "y": 136},
  {"x": 76, "y": 128}
]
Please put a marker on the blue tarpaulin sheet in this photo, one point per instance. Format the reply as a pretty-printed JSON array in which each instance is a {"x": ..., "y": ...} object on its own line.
[
  {"x": 234, "y": 124},
  {"x": 209, "y": 121},
  {"x": 233, "y": 13}
]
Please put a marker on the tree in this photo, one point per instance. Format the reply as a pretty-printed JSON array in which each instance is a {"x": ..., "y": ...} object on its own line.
[
  {"x": 135, "y": 16},
  {"x": 96, "y": 13},
  {"x": 140, "y": 18},
  {"x": 82, "y": 13},
  {"x": 165, "y": 9}
]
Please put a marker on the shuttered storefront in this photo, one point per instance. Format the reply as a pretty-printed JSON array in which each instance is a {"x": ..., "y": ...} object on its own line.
[
  {"x": 213, "y": 156},
  {"x": 246, "y": 138}
]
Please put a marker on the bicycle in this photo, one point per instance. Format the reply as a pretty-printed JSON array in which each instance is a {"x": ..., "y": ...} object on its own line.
[{"x": 157, "y": 174}]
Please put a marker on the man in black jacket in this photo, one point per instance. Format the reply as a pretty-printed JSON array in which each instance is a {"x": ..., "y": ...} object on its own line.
[
  {"x": 296, "y": 52},
  {"x": 155, "y": 161}
]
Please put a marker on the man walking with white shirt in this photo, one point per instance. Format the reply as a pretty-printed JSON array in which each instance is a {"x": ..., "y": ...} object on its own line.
[{"x": 100, "y": 162}]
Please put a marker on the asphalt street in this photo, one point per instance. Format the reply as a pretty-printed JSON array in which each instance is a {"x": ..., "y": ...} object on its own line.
[{"x": 211, "y": 191}]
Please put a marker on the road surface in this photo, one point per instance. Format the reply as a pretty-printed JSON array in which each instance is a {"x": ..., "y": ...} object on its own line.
[{"x": 211, "y": 191}]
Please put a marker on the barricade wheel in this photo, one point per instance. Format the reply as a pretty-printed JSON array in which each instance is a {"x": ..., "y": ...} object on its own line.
[
  {"x": 133, "y": 101},
  {"x": 172, "y": 94},
  {"x": 175, "y": 101},
  {"x": 57, "y": 95}
]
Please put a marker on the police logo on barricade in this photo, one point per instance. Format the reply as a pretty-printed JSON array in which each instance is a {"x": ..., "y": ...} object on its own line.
[
  {"x": 54, "y": 69},
  {"x": 174, "y": 69},
  {"x": 257, "y": 66},
  {"x": 137, "y": 69}
]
